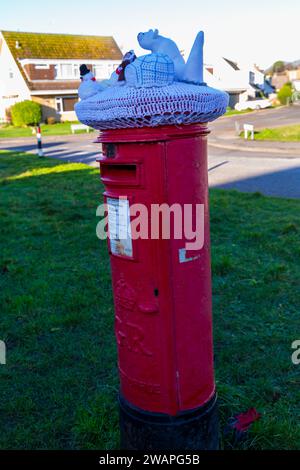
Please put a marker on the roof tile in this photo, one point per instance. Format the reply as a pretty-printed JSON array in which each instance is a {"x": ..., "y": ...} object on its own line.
[{"x": 59, "y": 46}]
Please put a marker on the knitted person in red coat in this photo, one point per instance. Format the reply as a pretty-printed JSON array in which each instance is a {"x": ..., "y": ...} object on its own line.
[{"x": 127, "y": 59}]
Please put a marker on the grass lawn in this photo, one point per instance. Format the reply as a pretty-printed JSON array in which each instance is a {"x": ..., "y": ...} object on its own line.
[
  {"x": 231, "y": 111},
  {"x": 283, "y": 134},
  {"x": 58, "y": 389},
  {"x": 61, "y": 128}
]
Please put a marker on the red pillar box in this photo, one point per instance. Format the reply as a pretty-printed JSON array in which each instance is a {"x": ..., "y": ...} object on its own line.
[
  {"x": 162, "y": 291},
  {"x": 154, "y": 140}
]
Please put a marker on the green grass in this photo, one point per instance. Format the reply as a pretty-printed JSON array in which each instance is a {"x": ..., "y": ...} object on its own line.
[
  {"x": 232, "y": 112},
  {"x": 58, "y": 389},
  {"x": 282, "y": 134},
  {"x": 61, "y": 128}
]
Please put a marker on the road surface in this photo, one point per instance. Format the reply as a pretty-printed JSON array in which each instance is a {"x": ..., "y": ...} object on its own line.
[
  {"x": 273, "y": 173},
  {"x": 275, "y": 117}
]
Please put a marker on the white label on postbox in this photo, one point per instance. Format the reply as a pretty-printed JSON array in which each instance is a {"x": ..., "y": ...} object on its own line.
[{"x": 119, "y": 226}]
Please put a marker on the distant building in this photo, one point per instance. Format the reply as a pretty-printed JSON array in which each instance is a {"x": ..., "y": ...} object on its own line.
[
  {"x": 45, "y": 68},
  {"x": 279, "y": 79},
  {"x": 241, "y": 82},
  {"x": 294, "y": 74},
  {"x": 291, "y": 74},
  {"x": 294, "y": 78}
]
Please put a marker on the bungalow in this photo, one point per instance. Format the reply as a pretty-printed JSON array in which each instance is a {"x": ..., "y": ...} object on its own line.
[
  {"x": 241, "y": 82},
  {"x": 45, "y": 68}
]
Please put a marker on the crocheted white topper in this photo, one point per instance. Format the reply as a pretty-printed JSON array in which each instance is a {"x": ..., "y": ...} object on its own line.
[
  {"x": 156, "y": 89},
  {"x": 192, "y": 70}
]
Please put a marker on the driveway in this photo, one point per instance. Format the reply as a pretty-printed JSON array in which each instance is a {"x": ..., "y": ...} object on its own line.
[{"x": 275, "y": 172}]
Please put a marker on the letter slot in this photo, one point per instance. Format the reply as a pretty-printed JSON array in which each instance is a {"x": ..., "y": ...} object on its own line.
[{"x": 120, "y": 174}]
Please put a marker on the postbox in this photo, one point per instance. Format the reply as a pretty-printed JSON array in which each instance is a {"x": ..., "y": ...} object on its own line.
[{"x": 161, "y": 288}]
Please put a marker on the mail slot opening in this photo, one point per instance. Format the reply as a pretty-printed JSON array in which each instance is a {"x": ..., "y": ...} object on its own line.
[{"x": 119, "y": 173}]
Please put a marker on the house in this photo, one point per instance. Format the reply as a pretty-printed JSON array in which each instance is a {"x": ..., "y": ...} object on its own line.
[
  {"x": 289, "y": 73},
  {"x": 225, "y": 74},
  {"x": 294, "y": 78},
  {"x": 45, "y": 68},
  {"x": 241, "y": 82},
  {"x": 279, "y": 79}
]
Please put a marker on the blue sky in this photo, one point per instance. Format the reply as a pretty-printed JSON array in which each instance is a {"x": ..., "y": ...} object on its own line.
[{"x": 260, "y": 31}]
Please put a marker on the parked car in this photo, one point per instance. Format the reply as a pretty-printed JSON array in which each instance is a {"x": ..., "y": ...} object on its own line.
[{"x": 253, "y": 104}]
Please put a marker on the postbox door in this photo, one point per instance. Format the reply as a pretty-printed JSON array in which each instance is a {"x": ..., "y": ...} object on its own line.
[{"x": 141, "y": 285}]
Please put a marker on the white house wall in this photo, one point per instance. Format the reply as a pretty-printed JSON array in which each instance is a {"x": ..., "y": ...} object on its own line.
[
  {"x": 11, "y": 89},
  {"x": 226, "y": 78}
]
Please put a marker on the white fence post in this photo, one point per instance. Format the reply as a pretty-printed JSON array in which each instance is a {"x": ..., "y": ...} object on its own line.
[{"x": 248, "y": 128}]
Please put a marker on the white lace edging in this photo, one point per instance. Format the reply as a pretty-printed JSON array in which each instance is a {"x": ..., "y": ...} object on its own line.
[{"x": 126, "y": 107}]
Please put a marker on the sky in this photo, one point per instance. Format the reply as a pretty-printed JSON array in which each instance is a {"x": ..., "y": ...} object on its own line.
[{"x": 253, "y": 31}]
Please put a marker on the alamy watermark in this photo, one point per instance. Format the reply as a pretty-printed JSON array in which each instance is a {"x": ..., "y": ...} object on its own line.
[
  {"x": 296, "y": 354},
  {"x": 123, "y": 222},
  {"x": 2, "y": 352}
]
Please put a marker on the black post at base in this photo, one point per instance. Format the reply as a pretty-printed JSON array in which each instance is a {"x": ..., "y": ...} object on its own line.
[{"x": 196, "y": 430}]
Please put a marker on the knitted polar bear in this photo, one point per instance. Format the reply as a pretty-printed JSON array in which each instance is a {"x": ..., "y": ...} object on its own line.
[{"x": 192, "y": 71}]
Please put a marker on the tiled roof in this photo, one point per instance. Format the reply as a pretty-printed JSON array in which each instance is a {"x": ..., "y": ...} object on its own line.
[
  {"x": 61, "y": 46},
  {"x": 232, "y": 64}
]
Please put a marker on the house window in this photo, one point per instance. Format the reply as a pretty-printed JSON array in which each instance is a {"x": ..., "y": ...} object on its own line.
[
  {"x": 100, "y": 72},
  {"x": 67, "y": 71},
  {"x": 42, "y": 66},
  {"x": 112, "y": 68},
  {"x": 251, "y": 77},
  {"x": 76, "y": 71},
  {"x": 65, "y": 103}
]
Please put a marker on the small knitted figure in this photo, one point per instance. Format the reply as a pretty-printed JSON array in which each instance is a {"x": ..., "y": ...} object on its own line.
[
  {"x": 88, "y": 86},
  {"x": 127, "y": 59}
]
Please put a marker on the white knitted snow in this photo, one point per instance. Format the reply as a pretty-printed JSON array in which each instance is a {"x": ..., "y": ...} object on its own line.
[{"x": 124, "y": 106}]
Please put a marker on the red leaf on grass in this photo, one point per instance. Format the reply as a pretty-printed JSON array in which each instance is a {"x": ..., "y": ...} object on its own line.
[{"x": 244, "y": 420}]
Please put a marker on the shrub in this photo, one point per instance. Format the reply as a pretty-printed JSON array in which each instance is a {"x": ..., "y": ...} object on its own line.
[
  {"x": 51, "y": 120},
  {"x": 285, "y": 93},
  {"x": 26, "y": 113}
]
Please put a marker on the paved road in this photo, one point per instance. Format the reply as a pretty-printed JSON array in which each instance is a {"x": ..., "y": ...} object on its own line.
[
  {"x": 275, "y": 117},
  {"x": 243, "y": 171},
  {"x": 271, "y": 173}
]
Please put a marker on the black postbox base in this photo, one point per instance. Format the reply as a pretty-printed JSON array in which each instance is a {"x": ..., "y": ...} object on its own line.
[{"x": 192, "y": 430}]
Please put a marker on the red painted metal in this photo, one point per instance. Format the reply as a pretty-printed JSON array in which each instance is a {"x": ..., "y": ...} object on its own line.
[{"x": 163, "y": 320}]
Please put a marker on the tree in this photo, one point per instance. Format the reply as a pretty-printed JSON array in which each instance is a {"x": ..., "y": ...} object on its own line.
[{"x": 278, "y": 66}]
